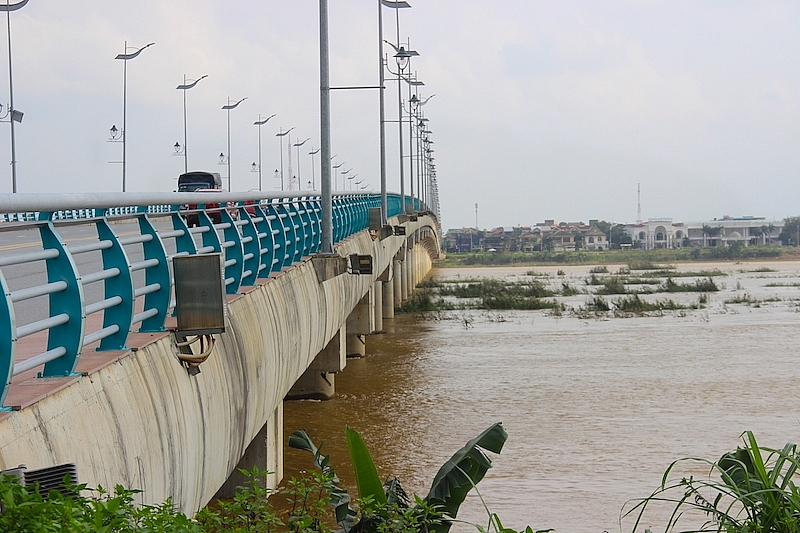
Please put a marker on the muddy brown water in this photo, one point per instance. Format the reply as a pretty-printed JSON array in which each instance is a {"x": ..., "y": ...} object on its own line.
[{"x": 595, "y": 408}]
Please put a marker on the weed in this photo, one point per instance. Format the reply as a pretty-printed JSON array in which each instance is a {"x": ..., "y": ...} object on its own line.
[
  {"x": 754, "y": 489},
  {"x": 568, "y": 290},
  {"x": 613, "y": 285},
  {"x": 597, "y": 304},
  {"x": 700, "y": 285},
  {"x": 602, "y": 269},
  {"x": 429, "y": 283}
]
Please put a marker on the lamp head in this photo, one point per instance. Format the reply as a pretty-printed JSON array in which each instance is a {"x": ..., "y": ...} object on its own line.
[{"x": 402, "y": 57}]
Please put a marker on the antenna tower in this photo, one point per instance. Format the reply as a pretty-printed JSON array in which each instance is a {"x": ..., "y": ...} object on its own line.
[{"x": 638, "y": 203}]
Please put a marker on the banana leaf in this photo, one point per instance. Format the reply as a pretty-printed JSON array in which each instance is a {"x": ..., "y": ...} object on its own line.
[
  {"x": 339, "y": 499},
  {"x": 369, "y": 484},
  {"x": 463, "y": 471}
]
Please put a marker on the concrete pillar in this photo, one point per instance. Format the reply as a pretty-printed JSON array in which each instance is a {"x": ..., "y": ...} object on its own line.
[
  {"x": 397, "y": 287},
  {"x": 264, "y": 452},
  {"x": 414, "y": 268},
  {"x": 362, "y": 319},
  {"x": 317, "y": 382},
  {"x": 406, "y": 279},
  {"x": 356, "y": 345},
  {"x": 378, "y": 292},
  {"x": 388, "y": 299}
]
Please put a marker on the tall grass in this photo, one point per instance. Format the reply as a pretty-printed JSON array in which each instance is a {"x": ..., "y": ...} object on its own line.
[
  {"x": 700, "y": 285},
  {"x": 752, "y": 489}
]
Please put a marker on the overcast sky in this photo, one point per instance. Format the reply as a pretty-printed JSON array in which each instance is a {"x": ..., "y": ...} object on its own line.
[{"x": 543, "y": 109}]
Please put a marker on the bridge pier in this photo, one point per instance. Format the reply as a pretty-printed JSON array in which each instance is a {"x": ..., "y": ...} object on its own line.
[
  {"x": 397, "y": 280},
  {"x": 317, "y": 382},
  {"x": 387, "y": 288},
  {"x": 361, "y": 322},
  {"x": 404, "y": 292},
  {"x": 378, "y": 292},
  {"x": 264, "y": 452}
]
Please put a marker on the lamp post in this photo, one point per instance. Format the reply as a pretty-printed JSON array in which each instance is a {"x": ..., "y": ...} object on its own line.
[
  {"x": 125, "y": 57},
  {"x": 312, "y": 153},
  {"x": 282, "y": 134},
  {"x": 415, "y": 83},
  {"x": 402, "y": 57},
  {"x": 228, "y": 108},
  {"x": 397, "y": 6},
  {"x": 185, "y": 86},
  {"x": 260, "y": 122},
  {"x": 416, "y": 105},
  {"x": 13, "y": 114},
  {"x": 336, "y": 167},
  {"x": 298, "y": 145}
]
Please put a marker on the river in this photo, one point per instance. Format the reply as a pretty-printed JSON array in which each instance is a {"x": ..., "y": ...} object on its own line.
[{"x": 595, "y": 408}]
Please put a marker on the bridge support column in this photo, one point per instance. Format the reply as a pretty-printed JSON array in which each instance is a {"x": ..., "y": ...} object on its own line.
[
  {"x": 378, "y": 291},
  {"x": 317, "y": 382},
  {"x": 356, "y": 346},
  {"x": 397, "y": 284},
  {"x": 264, "y": 452},
  {"x": 360, "y": 323},
  {"x": 388, "y": 298},
  {"x": 403, "y": 274}
]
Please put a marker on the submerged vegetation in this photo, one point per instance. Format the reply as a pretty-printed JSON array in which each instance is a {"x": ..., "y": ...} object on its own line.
[
  {"x": 639, "y": 259},
  {"x": 541, "y": 290}
]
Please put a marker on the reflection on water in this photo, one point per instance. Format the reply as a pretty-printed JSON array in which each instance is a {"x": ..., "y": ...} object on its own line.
[{"x": 595, "y": 409}]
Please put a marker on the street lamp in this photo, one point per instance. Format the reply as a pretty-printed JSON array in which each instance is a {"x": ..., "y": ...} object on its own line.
[
  {"x": 336, "y": 167},
  {"x": 228, "y": 159},
  {"x": 345, "y": 173},
  {"x": 14, "y": 115},
  {"x": 185, "y": 86},
  {"x": 402, "y": 58},
  {"x": 298, "y": 145},
  {"x": 282, "y": 134},
  {"x": 260, "y": 122},
  {"x": 312, "y": 153},
  {"x": 125, "y": 57},
  {"x": 397, "y": 5}
]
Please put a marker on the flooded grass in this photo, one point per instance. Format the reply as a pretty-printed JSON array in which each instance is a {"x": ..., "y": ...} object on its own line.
[{"x": 700, "y": 285}]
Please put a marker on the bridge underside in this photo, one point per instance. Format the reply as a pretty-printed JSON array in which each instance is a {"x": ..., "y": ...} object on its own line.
[{"x": 144, "y": 422}]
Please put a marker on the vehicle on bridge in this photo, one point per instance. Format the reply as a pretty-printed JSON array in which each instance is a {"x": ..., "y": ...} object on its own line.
[
  {"x": 200, "y": 181},
  {"x": 192, "y": 181}
]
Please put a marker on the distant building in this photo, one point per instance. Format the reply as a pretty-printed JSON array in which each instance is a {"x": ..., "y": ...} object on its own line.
[
  {"x": 462, "y": 240},
  {"x": 664, "y": 233}
]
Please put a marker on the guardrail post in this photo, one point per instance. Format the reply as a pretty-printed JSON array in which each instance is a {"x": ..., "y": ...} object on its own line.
[
  {"x": 312, "y": 204},
  {"x": 266, "y": 242},
  {"x": 69, "y": 301},
  {"x": 251, "y": 245},
  {"x": 158, "y": 274},
  {"x": 120, "y": 285},
  {"x": 290, "y": 234},
  {"x": 8, "y": 341},
  {"x": 234, "y": 255},
  {"x": 279, "y": 237},
  {"x": 183, "y": 243}
]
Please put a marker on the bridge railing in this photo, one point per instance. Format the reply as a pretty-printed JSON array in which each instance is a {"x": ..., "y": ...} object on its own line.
[{"x": 104, "y": 261}]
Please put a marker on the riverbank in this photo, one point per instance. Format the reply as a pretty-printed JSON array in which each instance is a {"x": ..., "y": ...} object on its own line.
[{"x": 585, "y": 257}]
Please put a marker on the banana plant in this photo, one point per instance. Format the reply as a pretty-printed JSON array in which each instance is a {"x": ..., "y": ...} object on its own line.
[{"x": 450, "y": 486}]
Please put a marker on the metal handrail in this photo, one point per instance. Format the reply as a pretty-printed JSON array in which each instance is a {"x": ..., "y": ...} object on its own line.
[{"x": 259, "y": 234}]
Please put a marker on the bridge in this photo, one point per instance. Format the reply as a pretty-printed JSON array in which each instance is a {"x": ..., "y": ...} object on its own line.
[{"x": 96, "y": 371}]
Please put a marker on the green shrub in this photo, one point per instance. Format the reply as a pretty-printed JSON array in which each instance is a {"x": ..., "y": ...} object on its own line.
[{"x": 753, "y": 490}]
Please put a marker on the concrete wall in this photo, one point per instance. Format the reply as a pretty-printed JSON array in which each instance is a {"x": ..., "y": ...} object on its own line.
[{"x": 143, "y": 422}]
